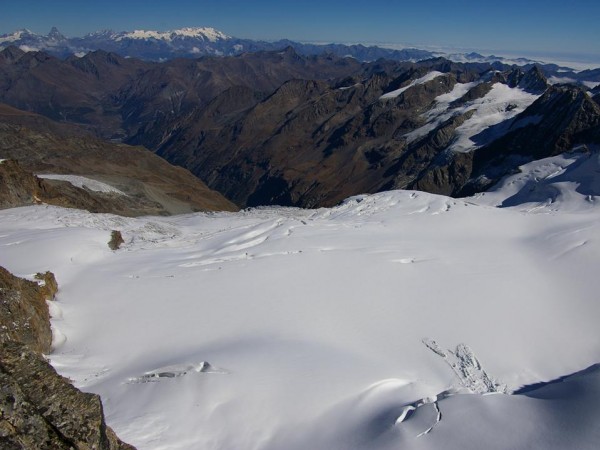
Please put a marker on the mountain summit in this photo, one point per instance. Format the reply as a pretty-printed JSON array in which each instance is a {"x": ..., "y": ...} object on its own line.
[{"x": 56, "y": 35}]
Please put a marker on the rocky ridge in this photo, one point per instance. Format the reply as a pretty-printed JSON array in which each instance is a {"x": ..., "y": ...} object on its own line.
[{"x": 39, "y": 409}]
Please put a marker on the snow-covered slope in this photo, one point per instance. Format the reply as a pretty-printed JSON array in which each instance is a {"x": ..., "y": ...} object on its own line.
[
  {"x": 377, "y": 324},
  {"x": 15, "y": 37},
  {"x": 570, "y": 181},
  {"x": 498, "y": 106}
]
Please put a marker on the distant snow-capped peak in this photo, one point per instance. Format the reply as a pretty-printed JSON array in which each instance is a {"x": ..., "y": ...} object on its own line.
[
  {"x": 16, "y": 36},
  {"x": 55, "y": 35},
  {"x": 107, "y": 34},
  {"x": 205, "y": 33}
]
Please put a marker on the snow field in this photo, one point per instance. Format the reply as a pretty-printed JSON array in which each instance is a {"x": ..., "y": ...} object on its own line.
[
  {"x": 313, "y": 320},
  {"x": 84, "y": 182}
]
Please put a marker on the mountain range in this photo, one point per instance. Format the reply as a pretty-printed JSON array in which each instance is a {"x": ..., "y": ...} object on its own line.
[
  {"x": 194, "y": 42},
  {"x": 188, "y": 42},
  {"x": 278, "y": 127}
]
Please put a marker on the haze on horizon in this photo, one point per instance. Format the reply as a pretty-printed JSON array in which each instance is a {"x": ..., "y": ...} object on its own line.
[{"x": 552, "y": 28}]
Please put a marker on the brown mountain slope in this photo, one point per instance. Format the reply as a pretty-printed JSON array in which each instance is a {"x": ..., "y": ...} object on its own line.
[
  {"x": 120, "y": 97},
  {"x": 309, "y": 143},
  {"x": 152, "y": 185}
]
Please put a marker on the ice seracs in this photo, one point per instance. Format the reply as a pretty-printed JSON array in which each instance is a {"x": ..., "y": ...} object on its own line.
[{"x": 467, "y": 368}]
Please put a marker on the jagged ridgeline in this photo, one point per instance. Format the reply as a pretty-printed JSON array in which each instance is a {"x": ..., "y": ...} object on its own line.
[{"x": 282, "y": 128}]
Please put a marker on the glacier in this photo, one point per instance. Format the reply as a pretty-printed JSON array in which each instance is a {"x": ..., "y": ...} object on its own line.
[{"x": 278, "y": 328}]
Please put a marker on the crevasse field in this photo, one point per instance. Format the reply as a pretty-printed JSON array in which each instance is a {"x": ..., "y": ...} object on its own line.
[{"x": 401, "y": 320}]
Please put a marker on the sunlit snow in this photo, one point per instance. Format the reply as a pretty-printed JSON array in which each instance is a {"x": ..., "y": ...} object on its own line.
[
  {"x": 17, "y": 35},
  {"x": 496, "y": 107},
  {"x": 281, "y": 328},
  {"x": 441, "y": 110}
]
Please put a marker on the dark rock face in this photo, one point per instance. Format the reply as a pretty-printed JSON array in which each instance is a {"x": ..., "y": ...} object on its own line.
[
  {"x": 39, "y": 409},
  {"x": 42, "y": 410},
  {"x": 24, "y": 314},
  {"x": 595, "y": 93},
  {"x": 533, "y": 81},
  {"x": 18, "y": 187}
]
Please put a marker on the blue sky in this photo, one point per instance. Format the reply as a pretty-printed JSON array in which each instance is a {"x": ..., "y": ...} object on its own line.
[{"x": 552, "y": 27}]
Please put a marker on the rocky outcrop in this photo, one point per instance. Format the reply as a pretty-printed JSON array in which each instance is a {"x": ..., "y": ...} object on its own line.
[
  {"x": 18, "y": 187},
  {"x": 595, "y": 93},
  {"x": 116, "y": 239},
  {"x": 24, "y": 314},
  {"x": 40, "y": 409}
]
